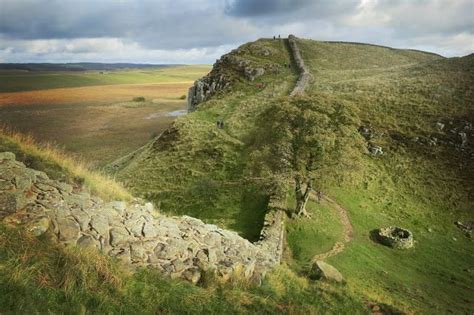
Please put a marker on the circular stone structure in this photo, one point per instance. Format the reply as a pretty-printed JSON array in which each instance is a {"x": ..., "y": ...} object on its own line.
[{"x": 395, "y": 237}]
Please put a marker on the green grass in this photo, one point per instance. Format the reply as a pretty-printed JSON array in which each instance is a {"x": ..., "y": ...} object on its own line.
[
  {"x": 199, "y": 170},
  {"x": 203, "y": 171},
  {"x": 40, "y": 276},
  {"x": 308, "y": 237},
  {"x": 401, "y": 94},
  {"x": 16, "y": 81}
]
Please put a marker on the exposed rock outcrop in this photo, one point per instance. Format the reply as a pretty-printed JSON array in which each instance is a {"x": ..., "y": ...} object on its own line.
[
  {"x": 134, "y": 233},
  {"x": 305, "y": 76},
  {"x": 227, "y": 70}
]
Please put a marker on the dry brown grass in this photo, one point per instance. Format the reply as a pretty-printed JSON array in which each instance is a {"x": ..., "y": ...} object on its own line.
[
  {"x": 98, "y": 184},
  {"x": 95, "y": 94}
]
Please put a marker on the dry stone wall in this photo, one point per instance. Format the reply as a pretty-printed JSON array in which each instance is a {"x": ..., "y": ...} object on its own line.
[
  {"x": 272, "y": 236},
  {"x": 305, "y": 76},
  {"x": 135, "y": 233}
]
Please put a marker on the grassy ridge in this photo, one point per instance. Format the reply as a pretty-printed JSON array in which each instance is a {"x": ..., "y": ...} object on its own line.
[
  {"x": 202, "y": 171},
  {"x": 16, "y": 81},
  {"x": 401, "y": 94}
]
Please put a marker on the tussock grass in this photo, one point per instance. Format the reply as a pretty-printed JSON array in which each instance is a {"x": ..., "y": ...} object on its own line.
[{"x": 59, "y": 165}]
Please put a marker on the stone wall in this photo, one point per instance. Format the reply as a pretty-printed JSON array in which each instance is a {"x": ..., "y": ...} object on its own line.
[
  {"x": 135, "y": 233},
  {"x": 305, "y": 76},
  {"x": 272, "y": 236}
]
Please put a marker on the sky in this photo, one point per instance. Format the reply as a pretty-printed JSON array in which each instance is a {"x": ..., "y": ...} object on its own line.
[{"x": 200, "y": 31}]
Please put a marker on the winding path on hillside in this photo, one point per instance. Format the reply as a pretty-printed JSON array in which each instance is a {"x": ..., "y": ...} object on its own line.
[
  {"x": 347, "y": 230},
  {"x": 302, "y": 83}
]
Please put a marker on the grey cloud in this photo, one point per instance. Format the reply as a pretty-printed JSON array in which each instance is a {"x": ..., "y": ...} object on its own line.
[
  {"x": 303, "y": 8},
  {"x": 156, "y": 24},
  {"x": 411, "y": 18},
  {"x": 171, "y": 25}
]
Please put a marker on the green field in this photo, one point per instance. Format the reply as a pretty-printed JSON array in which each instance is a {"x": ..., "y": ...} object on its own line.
[
  {"x": 16, "y": 80},
  {"x": 93, "y": 115}
]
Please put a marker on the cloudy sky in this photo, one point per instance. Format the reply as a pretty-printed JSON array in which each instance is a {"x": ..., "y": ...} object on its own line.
[{"x": 199, "y": 31}]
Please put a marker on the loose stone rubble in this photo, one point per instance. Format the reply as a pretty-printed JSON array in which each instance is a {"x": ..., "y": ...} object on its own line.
[{"x": 135, "y": 233}]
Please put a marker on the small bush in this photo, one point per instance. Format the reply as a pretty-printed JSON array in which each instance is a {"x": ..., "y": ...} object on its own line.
[
  {"x": 182, "y": 97},
  {"x": 139, "y": 99}
]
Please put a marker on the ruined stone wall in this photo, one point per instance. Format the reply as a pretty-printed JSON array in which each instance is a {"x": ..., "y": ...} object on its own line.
[
  {"x": 134, "y": 233},
  {"x": 305, "y": 76}
]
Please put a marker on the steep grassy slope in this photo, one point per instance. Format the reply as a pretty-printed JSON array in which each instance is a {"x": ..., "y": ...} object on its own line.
[
  {"x": 198, "y": 169},
  {"x": 423, "y": 181}
]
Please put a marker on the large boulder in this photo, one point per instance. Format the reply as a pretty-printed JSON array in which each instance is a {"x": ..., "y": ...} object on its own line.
[{"x": 324, "y": 271}]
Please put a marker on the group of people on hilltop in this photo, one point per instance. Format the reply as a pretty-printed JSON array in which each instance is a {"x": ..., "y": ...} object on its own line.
[{"x": 274, "y": 37}]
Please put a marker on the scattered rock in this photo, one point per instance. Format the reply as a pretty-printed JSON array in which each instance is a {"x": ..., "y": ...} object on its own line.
[
  {"x": 321, "y": 270},
  {"x": 375, "y": 150},
  {"x": 252, "y": 73},
  {"x": 366, "y": 132},
  {"x": 467, "y": 227},
  {"x": 439, "y": 126}
]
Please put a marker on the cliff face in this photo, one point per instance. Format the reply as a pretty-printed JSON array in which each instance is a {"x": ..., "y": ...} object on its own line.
[
  {"x": 247, "y": 63},
  {"x": 136, "y": 233}
]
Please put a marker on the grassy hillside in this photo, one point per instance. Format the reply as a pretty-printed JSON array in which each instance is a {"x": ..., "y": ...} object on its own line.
[
  {"x": 200, "y": 170},
  {"x": 18, "y": 80},
  {"x": 420, "y": 183}
]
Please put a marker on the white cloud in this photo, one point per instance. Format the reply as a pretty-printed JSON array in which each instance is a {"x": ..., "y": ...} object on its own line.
[
  {"x": 199, "y": 31},
  {"x": 102, "y": 50}
]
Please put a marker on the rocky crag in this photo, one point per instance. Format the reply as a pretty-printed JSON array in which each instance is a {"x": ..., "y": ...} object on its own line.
[
  {"x": 230, "y": 68},
  {"x": 135, "y": 233}
]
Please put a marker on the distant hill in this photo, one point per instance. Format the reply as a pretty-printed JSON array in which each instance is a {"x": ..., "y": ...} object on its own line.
[{"x": 79, "y": 66}]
